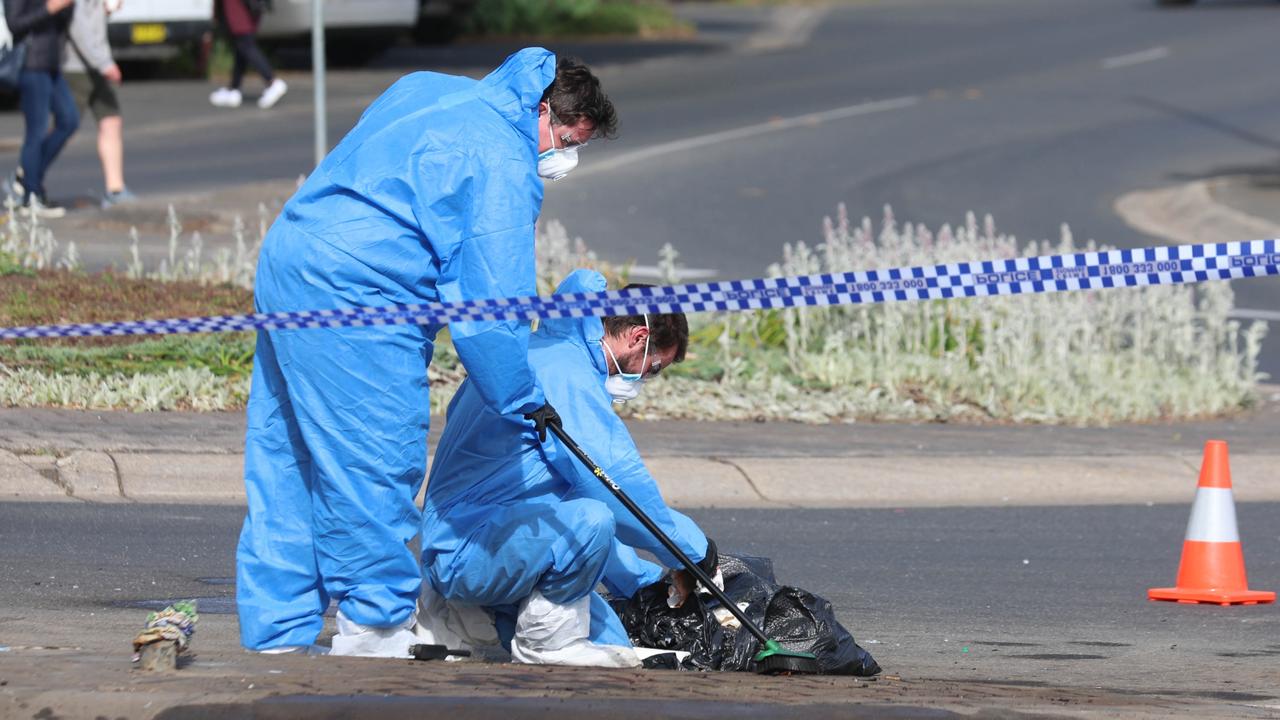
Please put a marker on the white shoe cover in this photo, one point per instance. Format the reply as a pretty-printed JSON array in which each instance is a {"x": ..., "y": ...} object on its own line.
[
  {"x": 354, "y": 639},
  {"x": 456, "y": 626},
  {"x": 296, "y": 650},
  {"x": 549, "y": 633},
  {"x": 645, "y": 653}
]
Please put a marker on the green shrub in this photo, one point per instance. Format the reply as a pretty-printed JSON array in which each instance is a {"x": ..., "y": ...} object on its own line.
[{"x": 571, "y": 17}]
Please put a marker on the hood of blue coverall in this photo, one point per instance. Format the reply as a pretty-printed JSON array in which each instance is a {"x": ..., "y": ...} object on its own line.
[{"x": 479, "y": 463}]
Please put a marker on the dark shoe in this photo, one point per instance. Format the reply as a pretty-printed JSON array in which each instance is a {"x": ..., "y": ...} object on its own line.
[{"x": 119, "y": 197}]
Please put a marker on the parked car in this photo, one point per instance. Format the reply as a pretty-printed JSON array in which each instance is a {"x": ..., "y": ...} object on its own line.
[
  {"x": 292, "y": 18},
  {"x": 157, "y": 29}
]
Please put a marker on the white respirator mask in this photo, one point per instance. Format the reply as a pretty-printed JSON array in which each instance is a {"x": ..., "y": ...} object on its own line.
[
  {"x": 624, "y": 386},
  {"x": 555, "y": 163},
  {"x": 621, "y": 388}
]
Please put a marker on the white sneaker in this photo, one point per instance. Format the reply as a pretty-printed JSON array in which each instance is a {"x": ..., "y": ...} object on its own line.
[
  {"x": 226, "y": 97},
  {"x": 38, "y": 209},
  {"x": 273, "y": 93},
  {"x": 356, "y": 640},
  {"x": 548, "y": 633}
]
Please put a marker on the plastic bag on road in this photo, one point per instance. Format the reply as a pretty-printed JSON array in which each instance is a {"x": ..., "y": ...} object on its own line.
[{"x": 794, "y": 617}]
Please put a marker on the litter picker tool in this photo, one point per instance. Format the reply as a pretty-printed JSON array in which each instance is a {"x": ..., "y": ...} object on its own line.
[{"x": 773, "y": 659}]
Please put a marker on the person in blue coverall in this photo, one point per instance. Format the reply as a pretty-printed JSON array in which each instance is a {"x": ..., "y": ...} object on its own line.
[
  {"x": 522, "y": 529},
  {"x": 432, "y": 196}
]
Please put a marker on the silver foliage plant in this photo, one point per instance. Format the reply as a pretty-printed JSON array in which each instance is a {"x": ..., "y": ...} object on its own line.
[
  {"x": 172, "y": 389},
  {"x": 1074, "y": 357},
  {"x": 235, "y": 265},
  {"x": 33, "y": 245}
]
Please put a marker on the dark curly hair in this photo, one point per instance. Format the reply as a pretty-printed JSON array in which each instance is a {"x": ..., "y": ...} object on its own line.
[
  {"x": 666, "y": 329},
  {"x": 576, "y": 94}
]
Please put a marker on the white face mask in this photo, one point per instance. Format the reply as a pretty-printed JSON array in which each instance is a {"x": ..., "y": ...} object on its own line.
[
  {"x": 622, "y": 390},
  {"x": 626, "y": 386},
  {"x": 557, "y": 162}
]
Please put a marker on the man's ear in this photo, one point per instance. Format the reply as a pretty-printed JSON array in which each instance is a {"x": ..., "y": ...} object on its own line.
[{"x": 639, "y": 334}]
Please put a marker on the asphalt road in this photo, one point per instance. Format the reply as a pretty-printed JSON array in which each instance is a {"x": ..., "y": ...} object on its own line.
[{"x": 1040, "y": 595}]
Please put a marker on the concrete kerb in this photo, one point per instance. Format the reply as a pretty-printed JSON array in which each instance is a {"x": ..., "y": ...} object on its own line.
[
  {"x": 691, "y": 482},
  {"x": 19, "y": 480},
  {"x": 1190, "y": 214}
]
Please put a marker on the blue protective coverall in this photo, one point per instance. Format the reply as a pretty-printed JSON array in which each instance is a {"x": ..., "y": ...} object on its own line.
[
  {"x": 432, "y": 196},
  {"x": 506, "y": 515}
]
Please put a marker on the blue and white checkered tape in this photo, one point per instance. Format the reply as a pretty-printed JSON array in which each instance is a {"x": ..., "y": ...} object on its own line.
[{"x": 1165, "y": 265}]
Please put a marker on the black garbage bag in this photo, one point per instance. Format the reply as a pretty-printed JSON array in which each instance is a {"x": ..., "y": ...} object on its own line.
[{"x": 796, "y": 618}]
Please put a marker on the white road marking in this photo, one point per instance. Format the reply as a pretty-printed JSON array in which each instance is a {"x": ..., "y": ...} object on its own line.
[
  {"x": 790, "y": 26},
  {"x": 651, "y": 272},
  {"x": 1142, "y": 56},
  {"x": 1247, "y": 314},
  {"x": 743, "y": 133}
]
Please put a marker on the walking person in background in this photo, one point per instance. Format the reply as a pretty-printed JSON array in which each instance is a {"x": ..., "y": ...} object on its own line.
[
  {"x": 42, "y": 90},
  {"x": 240, "y": 18},
  {"x": 92, "y": 74}
]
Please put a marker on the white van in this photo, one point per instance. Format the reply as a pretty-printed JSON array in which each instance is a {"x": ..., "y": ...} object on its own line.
[
  {"x": 156, "y": 28},
  {"x": 292, "y": 18},
  {"x": 144, "y": 29}
]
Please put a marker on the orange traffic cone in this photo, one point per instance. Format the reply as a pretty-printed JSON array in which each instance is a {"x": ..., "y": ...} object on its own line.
[{"x": 1212, "y": 567}]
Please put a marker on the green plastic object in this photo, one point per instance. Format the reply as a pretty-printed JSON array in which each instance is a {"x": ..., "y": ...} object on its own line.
[{"x": 777, "y": 660}]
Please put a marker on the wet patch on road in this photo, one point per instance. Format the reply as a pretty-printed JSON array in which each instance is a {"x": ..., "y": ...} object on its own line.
[
  {"x": 1219, "y": 695},
  {"x": 1012, "y": 683},
  {"x": 1060, "y": 656},
  {"x": 996, "y": 643},
  {"x": 204, "y": 605},
  {"x": 1099, "y": 643},
  {"x": 217, "y": 580},
  {"x": 213, "y": 605}
]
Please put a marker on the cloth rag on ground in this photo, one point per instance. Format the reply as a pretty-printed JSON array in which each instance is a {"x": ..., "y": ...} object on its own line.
[
  {"x": 796, "y": 618},
  {"x": 176, "y": 623}
]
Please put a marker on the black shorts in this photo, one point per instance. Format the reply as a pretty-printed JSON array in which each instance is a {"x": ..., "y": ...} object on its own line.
[{"x": 91, "y": 90}]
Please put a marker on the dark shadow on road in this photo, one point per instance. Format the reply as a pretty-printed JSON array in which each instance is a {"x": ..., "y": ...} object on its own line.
[
  {"x": 1265, "y": 176},
  {"x": 1207, "y": 121},
  {"x": 486, "y": 55},
  {"x": 1191, "y": 5}
]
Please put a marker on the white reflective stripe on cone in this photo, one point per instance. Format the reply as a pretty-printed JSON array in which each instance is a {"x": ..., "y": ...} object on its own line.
[{"x": 1213, "y": 516}]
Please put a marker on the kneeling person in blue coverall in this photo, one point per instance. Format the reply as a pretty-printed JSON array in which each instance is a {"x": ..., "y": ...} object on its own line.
[
  {"x": 521, "y": 529},
  {"x": 432, "y": 197}
]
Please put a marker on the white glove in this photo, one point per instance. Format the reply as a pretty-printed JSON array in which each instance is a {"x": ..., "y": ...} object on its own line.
[{"x": 681, "y": 580}]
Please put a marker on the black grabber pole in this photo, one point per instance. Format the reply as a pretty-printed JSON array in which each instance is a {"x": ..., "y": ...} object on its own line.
[{"x": 772, "y": 658}]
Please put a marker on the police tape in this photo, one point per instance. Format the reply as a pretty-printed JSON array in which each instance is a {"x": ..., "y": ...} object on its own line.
[{"x": 1165, "y": 265}]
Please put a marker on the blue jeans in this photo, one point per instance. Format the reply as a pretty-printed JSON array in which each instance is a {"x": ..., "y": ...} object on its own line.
[{"x": 41, "y": 94}]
